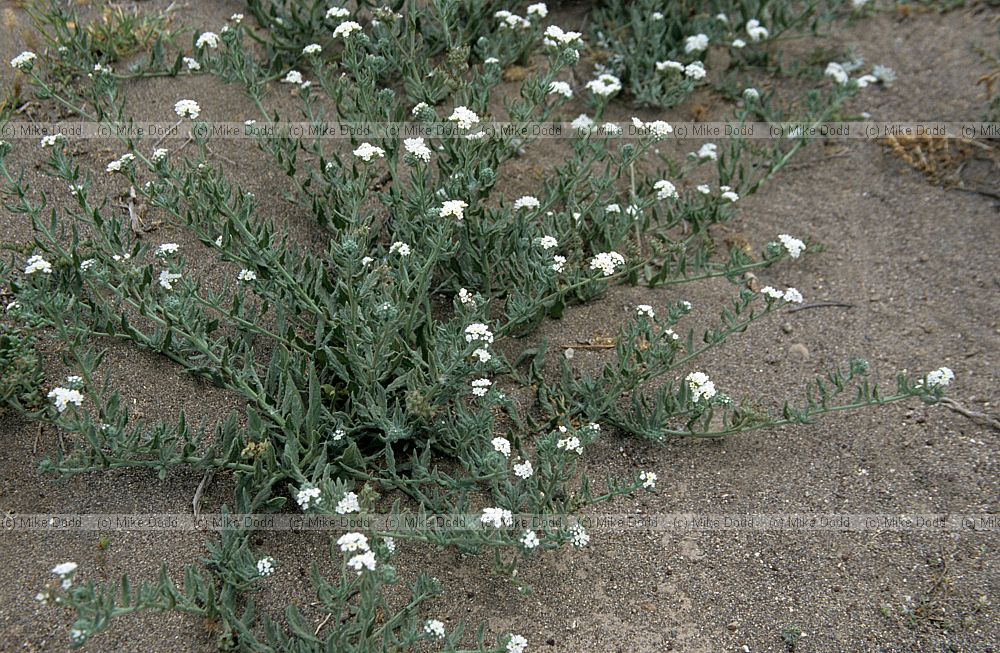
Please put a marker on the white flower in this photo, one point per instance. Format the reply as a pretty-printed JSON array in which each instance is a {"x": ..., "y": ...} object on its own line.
[
  {"x": 837, "y": 72},
  {"x": 211, "y": 39},
  {"x": 571, "y": 443},
  {"x": 648, "y": 480},
  {"x": 605, "y": 85},
  {"x": 349, "y": 503},
  {"x": 538, "y": 9},
  {"x": 524, "y": 470},
  {"x": 37, "y": 264},
  {"x": 366, "y": 151},
  {"x": 336, "y": 12},
  {"x": 793, "y": 245},
  {"x": 350, "y": 542},
  {"x": 434, "y": 628},
  {"x": 498, "y": 517},
  {"x": 751, "y": 94},
  {"x": 774, "y": 293},
  {"x": 730, "y": 196},
  {"x": 612, "y": 208},
  {"x": 739, "y": 43},
  {"x": 167, "y": 248},
  {"x": 794, "y": 296},
  {"x": 417, "y": 149},
  {"x": 755, "y": 31},
  {"x": 645, "y": 309},
  {"x": 610, "y": 129},
  {"x": 501, "y": 445},
  {"x": 52, "y": 141},
  {"x": 478, "y": 331},
  {"x": 400, "y": 248},
  {"x": 560, "y": 88},
  {"x": 607, "y": 262},
  {"x": 312, "y": 48},
  {"x": 292, "y": 77},
  {"x": 511, "y": 21},
  {"x": 708, "y": 151},
  {"x": 64, "y": 569},
  {"x": 580, "y": 537},
  {"x": 481, "y": 386},
  {"x": 346, "y": 28},
  {"x": 390, "y": 544},
  {"x": 858, "y": 4},
  {"x": 455, "y": 208},
  {"x": 187, "y": 109},
  {"x": 466, "y": 297},
  {"x": 246, "y": 276},
  {"x": 527, "y": 201},
  {"x": 665, "y": 190},
  {"x": 483, "y": 355},
  {"x": 582, "y": 123},
  {"x": 686, "y": 305},
  {"x": 656, "y": 15},
  {"x": 940, "y": 377},
  {"x": 491, "y": 60},
  {"x": 236, "y": 18},
  {"x": 63, "y": 397},
  {"x": 118, "y": 164},
  {"x": 308, "y": 495},
  {"x": 700, "y": 386},
  {"x": 555, "y": 36},
  {"x": 695, "y": 70},
  {"x": 167, "y": 279},
  {"x": 722, "y": 18},
  {"x": 558, "y": 262},
  {"x": 658, "y": 129},
  {"x": 192, "y": 64},
  {"x": 86, "y": 265},
  {"x": 159, "y": 154},
  {"x": 548, "y": 242},
  {"x": 76, "y": 189},
  {"x": 669, "y": 65},
  {"x": 695, "y": 43},
  {"x": 464, "y": 116},
  {"x": 865, "y": 80},
  {"x": 265, "y": 566},
  {"x": 529, "y": 540},
  {"x": 516, "y": 644},
  {"x": 24, "y": 61},
  {"x": 363, "y": 561}
]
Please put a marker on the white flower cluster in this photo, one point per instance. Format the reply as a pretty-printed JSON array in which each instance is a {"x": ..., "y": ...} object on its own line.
[
  {"x": 159, "y": 155},
  {"x": 346, "y": 29},
  {"x": 434, "y": 628},
  {"x": 524, "y": 469},
  {"x": 191, "y": 63},
  {"x": 529, "y": 540},
  {"x": 63, "y": 397},
  {"x": 246, "y": 276},
  {"x": 658, "y": 129},
  {"x": 399, "y": 247},
  {"x": 756, "y": 31},
  {"x": 511, "y": 21},
  {"x": 665, "y": 190},
  {"x": 52, "y": 140},
  {"x": 547, "y": 242},
  {"x": 209, "y": 39},
  {"x": 695, "y": 43},
  {"x": 700, "y": 386},
  {"x": 312, "y": 49},
  {"x": 648, "y": 480},
  {"x": 166, "y": 249},
  {"x": 366, "y": 151},
  {"x": 464, "y": 117},
  {"x": 793, "y": 245},
  {"x": 555, "y": 37},
  {"x": 791, "y": 295},
  {"x": 580, "y": 536},
  {"x": 187, "y": 109},
  {"x": 607, "y": 262},
  {"x": 605, "y": 85},
  {"x": 356, "y": 542},
  {"x": 168, "y": 278},
  {"x": 501, "y": 445},
  {"x": 348, "y": 504},
  {"x": 24, "y": 61},
  {"x": 645, "y": 310},
  {"x": 453, "y": 208},
  {"x": 516, "y": 644},
  {"x": 708, "y": 151},
  {"x": 940, "y": 377},
  {"x": 498, "y": 517},
  {"x": 118, "y": 164},
  {"x": 337, "y": 12},
  {"x": 37, "y": 264},
  {"x": 308, "y": 496},
  {"x": 528, "y": 201},
  {"x": 478, "y": 331},
  {"x": 481, "y": 386},
  {"x": 65, "y": 573},
  {"x": 265, "y": 566},
  {"x": 561, "y": 88},
  {"x": 416, "y": 148}
]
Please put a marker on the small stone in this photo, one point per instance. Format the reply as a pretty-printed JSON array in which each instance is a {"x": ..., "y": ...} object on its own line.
[
  {"x": 786, "y": 327},
  {"x": 798, "y": 351},
  {"x": 733, "y": 625}
]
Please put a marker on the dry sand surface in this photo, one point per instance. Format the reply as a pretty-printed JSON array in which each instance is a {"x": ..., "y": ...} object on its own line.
[{"x": 920, "y": 266}]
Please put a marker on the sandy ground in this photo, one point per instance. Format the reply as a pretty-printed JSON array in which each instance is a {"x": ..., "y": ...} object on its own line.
[{"x": 918, "y": 264}]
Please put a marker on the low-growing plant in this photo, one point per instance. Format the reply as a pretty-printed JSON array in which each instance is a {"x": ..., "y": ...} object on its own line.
[{"x": 374, "y": 365}]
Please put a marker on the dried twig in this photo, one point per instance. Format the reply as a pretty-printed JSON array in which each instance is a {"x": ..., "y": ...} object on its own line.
[
  {"x": 983, "y": 419},
  {"x": 820, "y": 305},
  {"x": 206, "y": 480}
]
